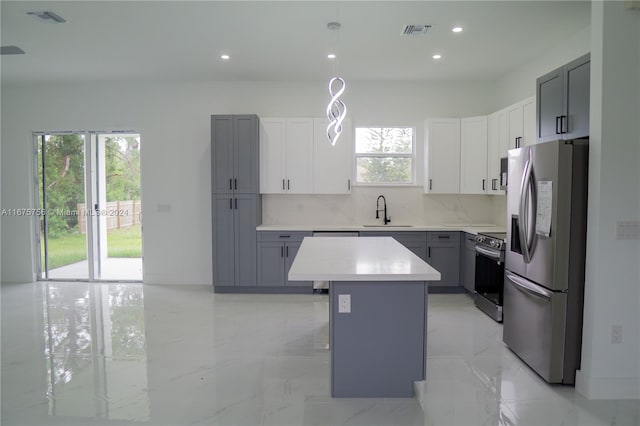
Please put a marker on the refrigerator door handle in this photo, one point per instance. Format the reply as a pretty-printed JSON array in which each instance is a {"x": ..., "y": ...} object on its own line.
[
  {"x": 528, "y": 184},
  {"x": 522, "y": 214},
  {"x": 527, "y": 287}
]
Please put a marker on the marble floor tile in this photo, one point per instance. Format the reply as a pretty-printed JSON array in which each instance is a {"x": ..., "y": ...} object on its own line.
[{"x": 133, "y": 354}]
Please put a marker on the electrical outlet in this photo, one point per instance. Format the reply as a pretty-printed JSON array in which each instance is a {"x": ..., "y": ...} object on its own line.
[
  {"x": 344, "y": 303},
  {"x": 616, "y": 334}
]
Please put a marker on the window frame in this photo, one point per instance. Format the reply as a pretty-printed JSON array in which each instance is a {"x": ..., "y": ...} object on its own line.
[{"x": 412, "y": 156}]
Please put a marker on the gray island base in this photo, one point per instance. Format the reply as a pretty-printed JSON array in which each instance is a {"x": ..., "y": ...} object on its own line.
[{"x": 377, "y": 312}]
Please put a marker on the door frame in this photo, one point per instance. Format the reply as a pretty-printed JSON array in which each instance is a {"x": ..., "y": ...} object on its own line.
[{"x": 92, "y": 196}]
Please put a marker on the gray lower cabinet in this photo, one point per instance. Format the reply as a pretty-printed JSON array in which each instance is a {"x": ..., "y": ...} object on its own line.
[
  {"x": 443, "y": 253},
  {"x": 468, "y": 250},
  {"x": 275, "y": 254},
  {"x": 415, "y": 241},
  {"x": 235, "y": 217}
]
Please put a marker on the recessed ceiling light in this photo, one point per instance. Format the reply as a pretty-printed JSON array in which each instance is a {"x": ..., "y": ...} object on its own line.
[
  {"x": 331, "y": 56},
  {"x": 225, "y": 57},
  {"x": 457, "y": 29},
  {"x": 437, "y": 56}
]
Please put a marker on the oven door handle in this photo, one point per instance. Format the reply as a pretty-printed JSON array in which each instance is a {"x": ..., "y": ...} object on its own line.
[
  {"x": 527, "y": 287},
  {"x": 489, "y": 253}
]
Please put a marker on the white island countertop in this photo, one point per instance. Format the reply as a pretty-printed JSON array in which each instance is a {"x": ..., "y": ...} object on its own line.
[{"x": 358, "y": 259}]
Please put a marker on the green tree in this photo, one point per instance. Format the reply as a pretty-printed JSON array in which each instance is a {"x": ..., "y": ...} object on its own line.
[
  {"x": 63, "y": 180},
  {"x": 122, "y": 163},
  {"x": 390, "y": 141}
]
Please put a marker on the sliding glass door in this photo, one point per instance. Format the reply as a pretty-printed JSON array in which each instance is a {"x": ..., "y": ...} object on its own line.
[{"x": 89, "y": 200}]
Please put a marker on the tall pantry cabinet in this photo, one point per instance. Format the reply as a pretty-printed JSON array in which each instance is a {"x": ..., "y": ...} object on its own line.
[{"x": 236, "y": 204}]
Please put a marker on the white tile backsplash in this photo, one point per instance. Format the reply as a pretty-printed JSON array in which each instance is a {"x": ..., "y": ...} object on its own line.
[{"x": 405, "y": 205}]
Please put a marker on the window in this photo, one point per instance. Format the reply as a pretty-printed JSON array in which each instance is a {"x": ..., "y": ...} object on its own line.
[{"x": 385, "y": 155}]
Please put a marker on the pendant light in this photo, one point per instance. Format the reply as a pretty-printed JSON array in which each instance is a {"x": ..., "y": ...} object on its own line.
[{"x": 336, "y": 109}]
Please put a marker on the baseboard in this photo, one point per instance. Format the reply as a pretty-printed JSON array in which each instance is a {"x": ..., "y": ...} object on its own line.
[
  {"x": 607, "y": 387},
  {"x": 263, "y": 290}
]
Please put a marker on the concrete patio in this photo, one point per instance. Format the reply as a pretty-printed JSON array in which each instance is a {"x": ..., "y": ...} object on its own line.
[{"x": 126, "y": 269}]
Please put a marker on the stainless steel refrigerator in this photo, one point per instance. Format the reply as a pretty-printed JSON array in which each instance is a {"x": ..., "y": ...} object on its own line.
[{"x": 545, "y": 256}]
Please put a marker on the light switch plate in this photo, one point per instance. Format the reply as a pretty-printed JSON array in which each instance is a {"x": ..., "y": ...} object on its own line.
[{"x": 344, "y": 303}]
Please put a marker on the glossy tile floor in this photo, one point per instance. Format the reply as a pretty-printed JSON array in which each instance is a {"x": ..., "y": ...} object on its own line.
[{"x": 111, "y": 354}]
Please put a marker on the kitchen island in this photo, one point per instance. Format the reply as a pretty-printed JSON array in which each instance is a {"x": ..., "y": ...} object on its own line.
[{"x": 377, "y": 312}]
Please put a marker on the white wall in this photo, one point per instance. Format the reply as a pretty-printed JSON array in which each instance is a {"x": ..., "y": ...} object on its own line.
[
  {"x": 612, "y": 292},
  {"x": 521, "y": 82},
  {"x": 173, "y": 119}
]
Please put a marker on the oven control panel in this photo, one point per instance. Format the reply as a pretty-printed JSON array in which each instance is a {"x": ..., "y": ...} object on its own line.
[{"x": 496, "y": 243}]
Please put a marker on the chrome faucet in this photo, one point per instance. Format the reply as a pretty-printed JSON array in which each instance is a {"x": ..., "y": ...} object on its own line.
[{"x": 386, "y": 219}]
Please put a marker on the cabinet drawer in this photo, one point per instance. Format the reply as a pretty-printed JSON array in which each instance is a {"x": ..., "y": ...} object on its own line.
[
  {"x": 443, "y": 237},
  {"x": 282, "y": 236}
]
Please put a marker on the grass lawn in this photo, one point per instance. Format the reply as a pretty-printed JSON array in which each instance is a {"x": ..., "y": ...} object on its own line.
[{"x": 71, "y": 248}]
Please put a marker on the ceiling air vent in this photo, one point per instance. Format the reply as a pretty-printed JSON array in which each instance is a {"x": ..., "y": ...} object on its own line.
[
  {"x": 416, "y": 30},
  {"x": 48, "y": 17}
]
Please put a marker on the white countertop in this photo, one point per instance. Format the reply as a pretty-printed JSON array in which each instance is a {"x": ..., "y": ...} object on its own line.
[
  {"x": 358, "y": 259},
  {"x": 464, "y": 227}
]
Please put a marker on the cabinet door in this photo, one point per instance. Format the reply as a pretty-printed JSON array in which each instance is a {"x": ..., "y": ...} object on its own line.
[
  {"x": 503, "y": 129},
  {"x": 223, "y": 241},
  {"x": 549, "y": 105},
  {"x": 577, "y": 81},
  {"x": 473, "y": 158},
  {"x": 290, "y": 252},
  {"x": 529, "y": 121},
  {"x": 469, "y": 263},
  {"x": 332, "y": 164},
  {"x": 442, "y": 151},
  {"x": 222, "y": 135},
  {"x": 418, "y": 248},
  {"x": 245, "y": 159},
  {"x": 443, "y": 253},
  {"x": 514, "y": 117},
  {"x": 446, "y": 259},
  {"x": 271, "y": 270},
  {"x": 299, "y": 156},
  {"x": 244, "y": 226},
  {"x": 493, "y": 154},
  {"x": 272, "y": 155}
]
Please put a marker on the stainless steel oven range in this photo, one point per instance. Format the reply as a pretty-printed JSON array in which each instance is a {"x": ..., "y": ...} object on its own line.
[{"x": 489, "y": 281}]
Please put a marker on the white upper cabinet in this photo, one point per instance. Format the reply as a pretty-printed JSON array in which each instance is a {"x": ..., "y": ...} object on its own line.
[
  {"x": 442, "y": 156},
  {"x": 286, "y": 155},
  {"x": 332, "y": 165},
  {"x": 522, "y": 123},
  {"x": 473, "y": 155},
  {"x": 299, "y": 156},
  {"x": 529, "y": 121},
  {"x": 496, "y": 148},
  {"x": 273, "y": 133}
]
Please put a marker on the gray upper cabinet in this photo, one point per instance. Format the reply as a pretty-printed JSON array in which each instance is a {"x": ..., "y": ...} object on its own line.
[
  {"x": 235, "y": 217},
  {"x": 234, "y": 154},
  {"x": 443, "y": 253},
  {"x": 562, "y": 100},
  {"x": 276, "y": 253}
]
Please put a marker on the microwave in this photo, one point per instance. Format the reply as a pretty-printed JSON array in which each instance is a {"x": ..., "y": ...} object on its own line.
[{"x": 503, "y": 173}]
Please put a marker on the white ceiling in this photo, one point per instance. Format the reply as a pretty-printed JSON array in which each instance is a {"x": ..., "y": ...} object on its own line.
[{"x": 287, "y": 40}]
